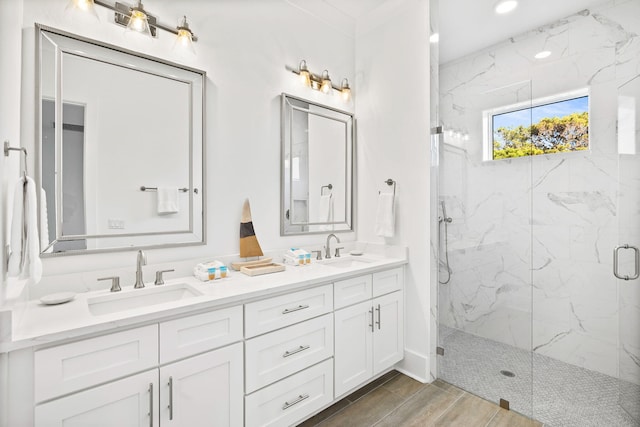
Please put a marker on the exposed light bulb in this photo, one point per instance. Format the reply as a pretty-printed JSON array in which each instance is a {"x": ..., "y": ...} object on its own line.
[
  {"x": 303, "y": 72},
  {"x": 434, "y": 38},
  {"x": 84, "y": 6},
  {"x": 505, "y": 6},
  {"x": 326, "y": 83},
  {"x": 185, "y": 36},
  {"x": 138, "y": 20},
  {"x": 345, "y": 90}
]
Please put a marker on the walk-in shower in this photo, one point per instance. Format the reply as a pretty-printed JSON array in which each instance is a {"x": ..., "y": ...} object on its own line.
[{"x": 539, "y": 170}]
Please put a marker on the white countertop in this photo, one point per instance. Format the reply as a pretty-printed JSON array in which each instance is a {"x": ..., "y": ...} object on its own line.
[{"x": 45, "y": 324}]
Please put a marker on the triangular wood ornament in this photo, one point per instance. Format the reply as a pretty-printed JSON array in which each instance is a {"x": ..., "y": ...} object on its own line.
[{"x": 249, "y": 246}]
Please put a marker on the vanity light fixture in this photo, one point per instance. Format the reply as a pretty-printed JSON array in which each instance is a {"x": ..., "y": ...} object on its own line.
[
  {"x": 434, "y": 38},
  {"x": 137, "y": 19},
  {"x": 505, "y": 6},
  {"x": 320, "y": 82}
]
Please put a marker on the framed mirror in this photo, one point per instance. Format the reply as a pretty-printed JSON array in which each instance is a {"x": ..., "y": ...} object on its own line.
[
  {"x": 317, "y": 168},
  {"x": 120, "y": 148}
]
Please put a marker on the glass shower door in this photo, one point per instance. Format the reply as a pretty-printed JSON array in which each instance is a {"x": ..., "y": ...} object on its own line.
[{"x": 626, "y": 261}]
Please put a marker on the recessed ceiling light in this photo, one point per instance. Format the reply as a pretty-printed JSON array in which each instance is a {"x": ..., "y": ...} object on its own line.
[
  {"x": 543, "y": 54},
  {"x": 505, "y": 6},
  {"x": 435, "y": 38}
]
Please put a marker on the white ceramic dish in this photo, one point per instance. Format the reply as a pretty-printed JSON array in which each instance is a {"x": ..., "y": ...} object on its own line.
[
  {"x": 356, "y": 253},
  {"x": 58, "y": 298}
]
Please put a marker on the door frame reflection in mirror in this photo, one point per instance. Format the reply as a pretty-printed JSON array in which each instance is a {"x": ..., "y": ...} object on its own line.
[
  {"x": 290, "y": 221},
  {"x": 190, "y": 227}
]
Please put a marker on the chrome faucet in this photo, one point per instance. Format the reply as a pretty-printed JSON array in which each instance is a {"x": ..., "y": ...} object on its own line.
[
  {"x": 327, "y": 248},
  {"x": 142, "y": 260}
]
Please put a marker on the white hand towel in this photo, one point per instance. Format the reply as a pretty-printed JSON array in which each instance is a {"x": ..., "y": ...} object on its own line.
[
  {"x": 385, "y": 215},
  {"x": 325, "y": 211},
  {"x": 167, "y": 200},
  {"x": 24, "y": 260},
  {"x": 18, "y": 236}
]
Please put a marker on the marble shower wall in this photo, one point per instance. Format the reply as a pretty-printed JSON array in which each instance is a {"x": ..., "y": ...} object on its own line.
[{"x": 531, "y": 241}]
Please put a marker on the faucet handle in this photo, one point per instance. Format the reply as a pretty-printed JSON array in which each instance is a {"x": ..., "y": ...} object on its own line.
[
  {"x": 318, "y": 256},
  {"x": 115, "y": 283},
  {"x": 337, "y": 254},
  {"x": 159, "y": 278}
]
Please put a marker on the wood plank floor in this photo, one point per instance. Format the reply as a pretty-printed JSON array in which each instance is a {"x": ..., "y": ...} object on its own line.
[{"x": 396, "y": 400}]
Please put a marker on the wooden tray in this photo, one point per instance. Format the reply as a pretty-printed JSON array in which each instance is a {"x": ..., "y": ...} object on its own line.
[
  {"x": 238, "y": 265},
  {"x": 257, "y": 270}
]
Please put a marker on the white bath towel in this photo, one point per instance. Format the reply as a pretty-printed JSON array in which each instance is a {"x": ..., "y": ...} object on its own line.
[
  {"x": 385, "y": 215},
  {"x": 167, "y": 200},
  {"x": 24, "y": 260}
]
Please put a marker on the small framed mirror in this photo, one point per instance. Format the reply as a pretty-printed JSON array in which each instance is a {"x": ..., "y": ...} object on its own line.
[
  {"x": 317, "y": 168},
  {"x": 120, "y": 148}
]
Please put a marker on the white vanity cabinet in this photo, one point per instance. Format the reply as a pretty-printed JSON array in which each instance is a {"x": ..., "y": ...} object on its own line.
[
  {"x": 203, "y": 388},
  {"x": 369, "y": 334}
]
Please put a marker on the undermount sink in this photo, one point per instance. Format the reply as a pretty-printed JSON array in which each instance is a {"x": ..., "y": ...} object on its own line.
[
  {"x": 137, "y": 298},
  {"x": 346, "y": 262}
]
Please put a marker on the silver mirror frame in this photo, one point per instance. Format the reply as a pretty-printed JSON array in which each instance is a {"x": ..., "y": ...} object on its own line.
[
  {"x": 199, "y": 188},
  {"x": 350, "y": 207}
]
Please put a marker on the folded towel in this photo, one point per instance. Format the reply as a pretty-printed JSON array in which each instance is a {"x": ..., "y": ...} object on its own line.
[
  {"x": 24, "y": 260},
  {"x": 385, "y": 215},
  {"x": 167, "y": 200}
]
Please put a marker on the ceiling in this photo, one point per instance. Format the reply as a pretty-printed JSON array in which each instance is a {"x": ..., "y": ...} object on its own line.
[{"x": 478, "y": 26}]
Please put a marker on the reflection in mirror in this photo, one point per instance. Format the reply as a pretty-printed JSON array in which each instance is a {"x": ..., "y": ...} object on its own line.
[
  {"x": 317, "y": 168},
  {"x": 127, "y": 122}
]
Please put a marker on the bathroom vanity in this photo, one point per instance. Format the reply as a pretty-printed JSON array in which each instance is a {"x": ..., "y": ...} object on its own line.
[{"x": 268, "y": 350}]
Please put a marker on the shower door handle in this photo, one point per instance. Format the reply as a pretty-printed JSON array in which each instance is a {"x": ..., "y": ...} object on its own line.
[{"x": 637, "y": 262}]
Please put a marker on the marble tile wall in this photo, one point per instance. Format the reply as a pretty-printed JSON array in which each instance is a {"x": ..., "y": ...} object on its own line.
[{"x": 531, "y": 241}]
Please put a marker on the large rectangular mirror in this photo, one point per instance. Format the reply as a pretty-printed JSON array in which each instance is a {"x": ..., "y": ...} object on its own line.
[
  {"x": 121, "y": 148},
  {"x": 317, "y": 168}
]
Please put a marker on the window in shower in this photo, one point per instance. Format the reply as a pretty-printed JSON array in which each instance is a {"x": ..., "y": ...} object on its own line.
[{"x": 557, "y": 124}]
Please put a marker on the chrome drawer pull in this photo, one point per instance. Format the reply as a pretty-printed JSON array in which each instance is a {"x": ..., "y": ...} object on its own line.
[
  {"x": 371, "y": 324},
  {"x": 378, "y": 310},
  {"x": 297, "y": 350},
  {"x": 291, "y": 310},
  {"x": 151, "y": 404},
  {"x": 170, "y": 398},
  {"x": 300, "y": 398}
]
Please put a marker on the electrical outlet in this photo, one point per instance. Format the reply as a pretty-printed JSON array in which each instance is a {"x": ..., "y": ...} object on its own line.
[{"x": 116, "y": 224}]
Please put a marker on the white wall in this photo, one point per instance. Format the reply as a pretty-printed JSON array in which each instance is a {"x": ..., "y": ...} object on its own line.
[
  {"x": 243, "y": 47},
  {"x": 392, "y": 110}
]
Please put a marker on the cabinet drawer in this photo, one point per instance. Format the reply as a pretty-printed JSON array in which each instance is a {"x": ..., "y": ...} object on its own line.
[
  {"x": 274, "y": 313},
  {"x": 70, "y": 367},
  {"x": 292, "y": 399},
  {"x": 388, "y": 281},
  {"x": 196, "y": 334},
  {"x": 352, "y": 291},
  {"x": 275, "y": 355}
]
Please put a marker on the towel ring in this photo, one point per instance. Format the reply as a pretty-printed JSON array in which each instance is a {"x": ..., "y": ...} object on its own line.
[
  {"x": 8, "y": 148},
  {"x": 390, "y": 182},
  {"x": 330, "y": 187}
]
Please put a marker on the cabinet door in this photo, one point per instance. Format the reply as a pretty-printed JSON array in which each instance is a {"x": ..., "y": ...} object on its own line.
[
  {"x": 205, "y": 390},
  {"x": 388, "y": 336},
  {"x": 130, "y": 402},
  {"x": 353, "y": 346}
]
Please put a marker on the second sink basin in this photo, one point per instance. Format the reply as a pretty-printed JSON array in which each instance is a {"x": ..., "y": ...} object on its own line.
[
  {"x": 137, "y": 298},
  {"x": 346, "y": 262}
]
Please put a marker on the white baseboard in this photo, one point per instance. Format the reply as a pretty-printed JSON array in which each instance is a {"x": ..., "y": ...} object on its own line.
[{"x": 415, "y": 365}]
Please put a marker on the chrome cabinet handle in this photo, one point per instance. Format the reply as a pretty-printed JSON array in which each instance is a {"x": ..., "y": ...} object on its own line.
[
  {"x": 378, "y": 322},
  {"x": 371, "y": 324},
  {"x": 299, "y": 399},
  {"x": 297, "y": 350},
  {"x": 170, "y": 398},
  {"x": 637, "y": 262},
  {"x": 151, "y": 404},
  {"x": 291, "y": 310}
]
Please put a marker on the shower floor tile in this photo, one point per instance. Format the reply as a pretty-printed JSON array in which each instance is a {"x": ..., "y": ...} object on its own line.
[{"x": 559, "y": 394}]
